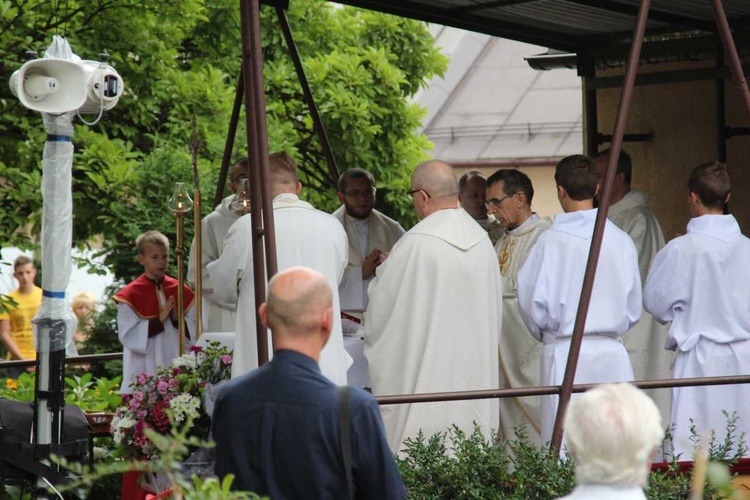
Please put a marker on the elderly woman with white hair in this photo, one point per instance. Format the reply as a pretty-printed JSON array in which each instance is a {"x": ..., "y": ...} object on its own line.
[{"x": 612, "y": 433}]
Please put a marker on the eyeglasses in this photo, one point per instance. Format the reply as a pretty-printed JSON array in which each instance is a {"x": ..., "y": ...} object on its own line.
[
  {"x": 410, "y": 193},
  {"x": 496, "y": 201},
  {"x": 365, "y": 193},
  {"x": 238, "y": 180}
]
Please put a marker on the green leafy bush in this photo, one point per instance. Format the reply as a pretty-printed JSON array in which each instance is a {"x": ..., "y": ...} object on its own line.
[
  {"x": 455, "y": 464},
  {"x": 86, "y": 392}
]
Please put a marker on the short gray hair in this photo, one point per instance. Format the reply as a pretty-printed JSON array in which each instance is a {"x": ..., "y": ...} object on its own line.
[{"x": 611, "y": 432}]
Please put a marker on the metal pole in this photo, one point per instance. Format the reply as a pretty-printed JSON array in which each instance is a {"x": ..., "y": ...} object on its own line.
[
  {"x": 198, "y": 235},
  {"x": 259, "y": 95},
  {"x": 519, "y": 392},
  {"x": 590, "y": 109},
  {"x": 734, "y": 59},
  {"x": 229, "y": 144},
  {"x": 180, "y": 251},
  {"x": 601, "y": 218},
  {"x": 255, "y": 156},
  {"x": 721, "y": 116},
  {"x": 333, "y": 169}
]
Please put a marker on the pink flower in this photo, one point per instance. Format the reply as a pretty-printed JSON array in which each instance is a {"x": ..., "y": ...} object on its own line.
[
  {"x": 226, "y": 358},
  {"x": 172, "y": 383},
  {"x": 176, "y": 370},
  {"x": 141, "y": 414},
  {"x": 138, "y": 396},
  {"x": 142, "y": 378},
  {"x": 195, "y": 348},
  {"x": 162, "y": 387}
]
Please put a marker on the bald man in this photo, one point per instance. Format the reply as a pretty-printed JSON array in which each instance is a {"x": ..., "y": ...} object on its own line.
[
  {"x": 423, "y": 331},
  {"x": 218, "y": 315},
  {"x": 472, "y": 188},
  {"x": 304, "y": 237},
  {"x": 277, "y": 429}
]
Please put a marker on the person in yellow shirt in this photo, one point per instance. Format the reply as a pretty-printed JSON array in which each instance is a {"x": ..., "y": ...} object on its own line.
[{"x": 16, "y": 332}]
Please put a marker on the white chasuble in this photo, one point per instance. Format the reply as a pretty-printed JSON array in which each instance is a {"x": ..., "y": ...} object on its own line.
[
  {"x": 549, "y": 290},
  {"x": 701, "y": 283},
  {"x": 304, "y": 237},
  {"x": 433, "y": 325},
  {"x": 218, "y": 316},
  {"x": 519, "y": 351},
  {"x": 645, "y": 341},
  {"x": 143, "y": 354}
]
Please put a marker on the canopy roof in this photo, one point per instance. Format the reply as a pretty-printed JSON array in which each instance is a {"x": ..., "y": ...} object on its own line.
[{"x": 592, "y": 28}]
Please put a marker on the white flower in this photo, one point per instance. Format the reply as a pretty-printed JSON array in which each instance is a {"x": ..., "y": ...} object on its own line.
[
  {"x": 187, "y": 360},
  {"x": 184, "y": 406},
  {"x": 118, "y": 424}
]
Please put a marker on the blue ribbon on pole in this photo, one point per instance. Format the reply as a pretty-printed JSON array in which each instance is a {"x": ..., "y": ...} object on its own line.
[
  {"x": 53, "y": 295},
  {"x": 59, "y": 138}
]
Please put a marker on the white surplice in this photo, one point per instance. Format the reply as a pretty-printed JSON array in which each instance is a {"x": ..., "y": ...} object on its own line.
[
  {"x": 520, "y": 352},
  {"x": 141, "y": 353},
  {"x": 645, "y": 341},
  {"x": 701, "y": 283},
  {"x": 549, "y": 290},
  {"x": 377, "y": 231},
  {"x": 364, "y": 235},
  {"x": 304, "y": 237},
  {"x": 604, "y": 492},
  {"x": 433, "y": 325},
  {"x": 218, "y": 316}
]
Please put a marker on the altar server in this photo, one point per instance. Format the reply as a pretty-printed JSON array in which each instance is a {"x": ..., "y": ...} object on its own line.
[
  {"x": 218, "y": 316},
  {"x": 304, "y": 237},
  {"x": 424, "y": 332},
  {"x": 550, "y": 282},
  {"x": 701, "y": 283}
]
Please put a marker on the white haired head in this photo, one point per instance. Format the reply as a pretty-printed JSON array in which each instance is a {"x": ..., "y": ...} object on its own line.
[{"x": 612, "y": 432}]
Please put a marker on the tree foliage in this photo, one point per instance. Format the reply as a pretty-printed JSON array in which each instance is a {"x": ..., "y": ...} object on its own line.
[{"x": 180, "y": 61}]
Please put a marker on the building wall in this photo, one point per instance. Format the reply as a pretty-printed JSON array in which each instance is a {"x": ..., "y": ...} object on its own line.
[{"x": 681, "y": 117}]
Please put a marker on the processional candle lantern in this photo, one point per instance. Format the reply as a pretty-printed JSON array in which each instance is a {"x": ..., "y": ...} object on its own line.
[{"x": 180, "y": 203}]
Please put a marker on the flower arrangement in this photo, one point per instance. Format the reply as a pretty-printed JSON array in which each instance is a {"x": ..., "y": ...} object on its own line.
[{"x": 176, "y": 391}]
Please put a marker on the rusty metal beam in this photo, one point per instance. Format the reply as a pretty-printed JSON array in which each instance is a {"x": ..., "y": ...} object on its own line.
[
  {"x": 731, "y": 51},
  {"x": 257, "y": 151},
  {"x": 519, "y": 392},
  {"x": 601, "y": 218},
  {"x": 229, "y": 143},
  {"x": 320, "y": 130}
]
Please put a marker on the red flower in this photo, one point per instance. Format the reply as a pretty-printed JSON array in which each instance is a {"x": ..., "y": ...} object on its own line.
[{"x": 159, "y": 416}]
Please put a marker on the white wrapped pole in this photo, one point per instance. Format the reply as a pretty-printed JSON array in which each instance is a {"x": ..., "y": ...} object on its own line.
[{"x": 55, "y": 323}]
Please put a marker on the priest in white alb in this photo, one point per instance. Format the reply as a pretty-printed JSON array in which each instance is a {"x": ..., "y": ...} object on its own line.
[
  {"x": 701, "y": 283},
  {"x": 304, "y": 237},
  {"x": 630, "y": 212},
  {"x": 218, "y": 316},
  {"x": 371, "y": 236},
  {"x": 550, "y": 282},
  {"x": 425, "y": 330},
  {"x": 509, "y": 195}
]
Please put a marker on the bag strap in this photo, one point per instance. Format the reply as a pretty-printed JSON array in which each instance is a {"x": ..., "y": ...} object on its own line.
[{"x": 345, "y": 433}]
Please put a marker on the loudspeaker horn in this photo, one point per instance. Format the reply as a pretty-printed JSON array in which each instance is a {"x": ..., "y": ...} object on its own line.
[
  {"x": 50, "y": 85},
  {"x": 103, "y": 87}
]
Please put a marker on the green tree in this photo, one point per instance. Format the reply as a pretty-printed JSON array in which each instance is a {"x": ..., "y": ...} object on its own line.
[{"x": 180, "y": 60}]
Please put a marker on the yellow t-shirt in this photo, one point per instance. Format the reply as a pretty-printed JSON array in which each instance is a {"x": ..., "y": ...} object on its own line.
[{"x": 20, "y": 320}]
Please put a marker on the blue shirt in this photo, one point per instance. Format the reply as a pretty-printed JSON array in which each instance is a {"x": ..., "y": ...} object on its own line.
[{"x": 277, "y": 430}]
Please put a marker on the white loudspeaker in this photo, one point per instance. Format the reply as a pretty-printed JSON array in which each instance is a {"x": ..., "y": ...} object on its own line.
[
  {"x": 103, "y": 87},
  {"x": 50, "y": 85}
]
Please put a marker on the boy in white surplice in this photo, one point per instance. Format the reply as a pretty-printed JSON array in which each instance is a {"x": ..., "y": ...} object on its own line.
[{"x": 550, "y": 282}]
